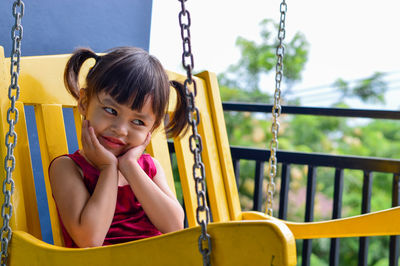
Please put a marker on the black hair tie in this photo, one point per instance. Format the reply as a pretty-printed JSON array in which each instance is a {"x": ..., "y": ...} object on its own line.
[{"x": 97, "y": 58}]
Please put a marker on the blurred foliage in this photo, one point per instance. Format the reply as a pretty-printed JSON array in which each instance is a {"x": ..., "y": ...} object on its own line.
[
  {"x": 369, "y": 90},
  {"x": 258, "y": 59},
  {"x": 334, "y": 135}
]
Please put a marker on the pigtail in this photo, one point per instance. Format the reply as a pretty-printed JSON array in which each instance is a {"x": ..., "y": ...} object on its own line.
[
  {"x": 179, "y": 122},
  {"x": 74, "y": 64}
]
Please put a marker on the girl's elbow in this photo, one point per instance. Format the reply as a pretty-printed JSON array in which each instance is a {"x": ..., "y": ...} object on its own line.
[
  {"x": 89, "y": 242},
  {"x": 171, "y": 228},
  {"x": 180, "y": 219},
  {"x": 174, "y": 225},
  {"x": 88, "y": 239},
  {"x": 178, "y": 226}
]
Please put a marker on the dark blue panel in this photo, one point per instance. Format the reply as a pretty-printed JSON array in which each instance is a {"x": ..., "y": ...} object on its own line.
[
  {"x": 57, "y": 26},
  {"x": 40, "y": 187},
  {"x": 70, "y": 130}
]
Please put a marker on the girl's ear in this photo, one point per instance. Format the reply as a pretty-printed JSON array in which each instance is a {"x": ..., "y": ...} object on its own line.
[{"x": 83, "y": 101}]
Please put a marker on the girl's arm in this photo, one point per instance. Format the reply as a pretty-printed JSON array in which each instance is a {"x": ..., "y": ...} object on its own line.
[
  {"x": 157, "y": 200},
  {"x": 86, "y": 217}
]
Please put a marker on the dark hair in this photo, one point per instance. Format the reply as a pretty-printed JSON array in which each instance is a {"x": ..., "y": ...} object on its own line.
[{"x": 130, "y": 75}]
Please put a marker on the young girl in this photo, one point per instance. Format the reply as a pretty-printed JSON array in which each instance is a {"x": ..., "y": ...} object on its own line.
[{"x": 109, "y": 191}]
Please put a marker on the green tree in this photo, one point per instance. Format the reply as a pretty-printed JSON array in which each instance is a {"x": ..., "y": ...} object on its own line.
[
  {"x": 369, "y": 90},
  {"x": 259, "y": 59}
]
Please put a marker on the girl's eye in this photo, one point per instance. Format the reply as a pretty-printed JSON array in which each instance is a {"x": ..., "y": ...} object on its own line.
[
  {"x": 110, "y": 110},
  {"x": 138, "y": 122}
]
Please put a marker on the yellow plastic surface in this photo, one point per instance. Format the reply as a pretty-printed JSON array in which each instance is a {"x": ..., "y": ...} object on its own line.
[
  {"x": 371, "y": 224},
  {"x": 158, "y": 148},
  {"x": 211, "y": 158},
  {"x": 234, "y": 243},
  {"x": 25, "y": 213},
  {"x": 227, "y": 179}
]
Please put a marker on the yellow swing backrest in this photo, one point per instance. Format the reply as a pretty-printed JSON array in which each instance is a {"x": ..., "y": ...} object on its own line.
[{"x": 42, "y": 87}]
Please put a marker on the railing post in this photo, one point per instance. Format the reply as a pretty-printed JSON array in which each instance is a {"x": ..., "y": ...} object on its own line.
[
  {"x": 258, "y": 186},
  {"x": 236, "y": 169},
  {"x": 284, "y": 194},
  {"x": 395, "y": 240},
  {"x": 365, "y": 208},
  {"x": 309, "y": 215},
  {"x": 336, "y": 213}
]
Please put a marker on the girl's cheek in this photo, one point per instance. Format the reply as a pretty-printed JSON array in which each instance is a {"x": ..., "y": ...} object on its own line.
[{"x": 138, "y": 138}]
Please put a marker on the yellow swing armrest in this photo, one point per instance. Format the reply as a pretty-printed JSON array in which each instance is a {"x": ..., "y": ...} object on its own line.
[{"x": 378, "y": 223}]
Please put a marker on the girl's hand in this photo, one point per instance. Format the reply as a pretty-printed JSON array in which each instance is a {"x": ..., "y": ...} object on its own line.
[
  {"x": 94, "y": 151},
  {"x": 133, "y": 154}
]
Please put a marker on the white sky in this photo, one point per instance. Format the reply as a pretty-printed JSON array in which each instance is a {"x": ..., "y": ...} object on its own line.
[{"x": 348, "y": 39}]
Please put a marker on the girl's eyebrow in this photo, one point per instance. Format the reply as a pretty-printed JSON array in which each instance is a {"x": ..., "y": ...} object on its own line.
[
  {"x": 108, "y": 101},
  {"x": 140, "y": 115}
]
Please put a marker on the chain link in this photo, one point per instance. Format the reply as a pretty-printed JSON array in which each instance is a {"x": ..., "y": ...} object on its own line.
[
  {"x": 276, "y": 111},
  {"x": 11, "y": 136},
  {"x": 195, "y": 143}
]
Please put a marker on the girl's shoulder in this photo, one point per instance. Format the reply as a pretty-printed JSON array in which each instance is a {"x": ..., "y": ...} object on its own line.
[
  {"x": 146, "y": 157},
  {"x": 64, "y": 164},
  {"x": 148, "y": 164}
]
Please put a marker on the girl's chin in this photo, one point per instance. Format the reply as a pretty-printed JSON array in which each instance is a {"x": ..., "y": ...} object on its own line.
[
  {"x": 122, "y": 152},
  {"x": 117, "y": 153}
]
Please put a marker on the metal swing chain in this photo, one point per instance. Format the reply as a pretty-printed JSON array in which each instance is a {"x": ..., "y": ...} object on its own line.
[
  {"x": 11, "y": 136},
  {"x": 195, "y": 142},
  {"x": 276, "y": 110}
]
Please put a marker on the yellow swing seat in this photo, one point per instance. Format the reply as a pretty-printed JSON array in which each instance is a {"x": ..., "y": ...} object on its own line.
[{"x": 233, "y": 243}]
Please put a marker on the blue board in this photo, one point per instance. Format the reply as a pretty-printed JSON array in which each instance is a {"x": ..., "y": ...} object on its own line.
[{"x": 58, "y": 27}]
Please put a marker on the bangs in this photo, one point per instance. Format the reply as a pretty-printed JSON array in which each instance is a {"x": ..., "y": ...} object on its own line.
[{"x": 130, "y": 89}]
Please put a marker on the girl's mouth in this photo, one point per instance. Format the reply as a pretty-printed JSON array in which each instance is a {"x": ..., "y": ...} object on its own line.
[{"x": 112, "y": 142}]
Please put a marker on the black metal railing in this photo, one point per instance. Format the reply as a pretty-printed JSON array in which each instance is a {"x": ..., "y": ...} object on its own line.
[
  {"x": 367, "y": 165},
  {"x": 288, "y": 159},
  {"x": 315, "y": 111},
  {"x": 314, "y": 160}
]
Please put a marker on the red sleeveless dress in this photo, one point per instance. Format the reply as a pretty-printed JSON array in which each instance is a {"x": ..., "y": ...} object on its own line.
[{"x": 130, "y": 221}]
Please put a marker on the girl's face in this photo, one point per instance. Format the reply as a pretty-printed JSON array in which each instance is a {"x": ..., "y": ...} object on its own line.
[{"x": 117, "y": 127}]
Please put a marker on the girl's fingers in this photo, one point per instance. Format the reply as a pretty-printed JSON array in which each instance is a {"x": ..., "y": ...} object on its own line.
[
  {"x": 93, "y": 138},
  {"x": 88, "y": 135},
  {"x": 147, "y": 140},
  {"x": 94, "y": 142},
  {"x": 89, "y": 139}
]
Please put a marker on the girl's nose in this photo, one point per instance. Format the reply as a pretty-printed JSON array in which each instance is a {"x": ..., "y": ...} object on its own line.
[{"x": 119, "y": 127}]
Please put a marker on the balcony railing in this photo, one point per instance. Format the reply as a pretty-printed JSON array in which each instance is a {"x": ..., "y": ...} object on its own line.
[{"x": 367, "y": 165}]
